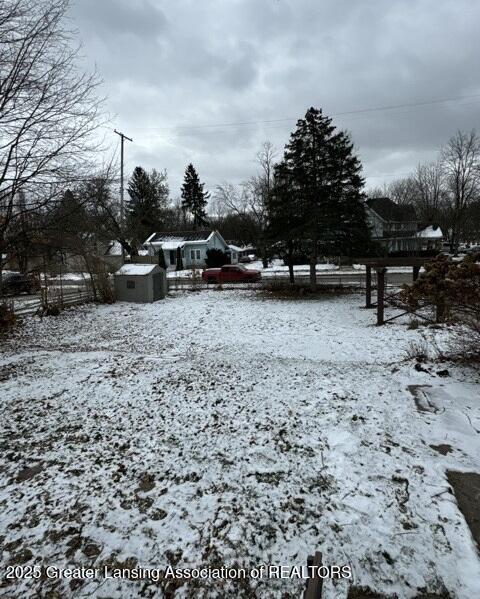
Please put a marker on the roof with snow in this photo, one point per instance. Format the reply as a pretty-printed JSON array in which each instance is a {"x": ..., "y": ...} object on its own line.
[
  {"x": 389, "y": 210},
  {"x": 136, "y": 269},
  {"x": 171, "y": 245},
  {"x": 430, "y": 232},
  {"x": 179, "y": 236}
]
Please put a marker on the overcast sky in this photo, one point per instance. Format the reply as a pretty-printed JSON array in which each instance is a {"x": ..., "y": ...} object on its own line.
[{"x": 172, "y": 68}]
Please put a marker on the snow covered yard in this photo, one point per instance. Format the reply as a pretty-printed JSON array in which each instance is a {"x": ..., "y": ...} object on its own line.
[{"x": 223, "y": 428}]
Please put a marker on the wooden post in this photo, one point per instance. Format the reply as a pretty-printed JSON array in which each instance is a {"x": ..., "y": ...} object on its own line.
[
  {"x": 368, "y": 282},
  {"x": 314, "y": 585},
  {"x": 416, "y": 270},
  {"x": 380, "y": 295}
]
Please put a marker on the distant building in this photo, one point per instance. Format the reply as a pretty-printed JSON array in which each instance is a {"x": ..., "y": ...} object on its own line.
[
  {"x": 193, "y": 246},
  {"x": 431, "y": 238},
  {"x": 397, "y": 228},
  {"x": 239, "y": 252}
]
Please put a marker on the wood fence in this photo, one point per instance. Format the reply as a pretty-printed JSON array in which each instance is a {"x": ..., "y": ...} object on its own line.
[{"x": 62, "y": 298}]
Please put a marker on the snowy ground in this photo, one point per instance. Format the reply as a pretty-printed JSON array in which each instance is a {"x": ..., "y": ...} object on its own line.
[{"x": 220, "y": 428}]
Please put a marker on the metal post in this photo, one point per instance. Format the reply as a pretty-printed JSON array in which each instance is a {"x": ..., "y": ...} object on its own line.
[
  {"x": 380, "y": 295},
  {"x": 368, "y": 282}
]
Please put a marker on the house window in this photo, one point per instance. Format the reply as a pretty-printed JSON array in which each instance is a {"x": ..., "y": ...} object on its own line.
[
  {"x": 130, "y": 284},
  {"x": 192, "y": 254},
  {"x": 197, "y": 254}
]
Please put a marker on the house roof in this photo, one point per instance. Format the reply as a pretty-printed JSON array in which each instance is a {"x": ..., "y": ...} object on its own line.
[
  {"x": 179, "y": 236},
  {"x": 136, "y": 269},
  {"x": 430, "y": 232},
  {"x": 389, "y": 210},
  {"x": 171, "y": 245}
]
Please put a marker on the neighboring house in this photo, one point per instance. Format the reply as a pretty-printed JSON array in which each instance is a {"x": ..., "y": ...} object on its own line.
[
  {"x": 236, "y": 252},
  {"x": 397, "y": 228},
  {"x": 193, "y": 247},
  {"x": 431, "y": 238}
]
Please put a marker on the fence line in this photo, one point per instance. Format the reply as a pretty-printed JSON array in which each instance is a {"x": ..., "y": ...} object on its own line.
[
  {"x": 55, "y": 297},
  {"x": 330, "y": 279}
]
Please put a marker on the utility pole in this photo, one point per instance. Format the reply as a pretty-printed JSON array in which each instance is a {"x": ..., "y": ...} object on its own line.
[{"x": 122, "y": 209}]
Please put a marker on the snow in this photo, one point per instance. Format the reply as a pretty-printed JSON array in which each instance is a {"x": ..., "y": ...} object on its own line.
[
  {"x": 71, "y": 276},
  {"x": 136, "y": 269},
  {"x": 172, "y": 245},
  {"x": 267, "y": 428},
  {"x": 431, "y": 232},
  {"x": 115, "y": 249}
]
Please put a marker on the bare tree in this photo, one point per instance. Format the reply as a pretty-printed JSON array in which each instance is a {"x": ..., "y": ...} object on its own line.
[
  {"x": 49, "y": 108},
  {"x": 402, "y": 190},
  {"x": 250, "y": 199},
  {"x": 461, "y": 167},
  {"x": 429, "y": 192}
]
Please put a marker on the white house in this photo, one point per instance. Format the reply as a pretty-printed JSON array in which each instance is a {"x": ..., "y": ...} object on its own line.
[
  {"x": 431, "y": 238},
  {"x": 394, "y": 226},
  {"x": 397, "y": 228},
  {"x": 193, "y": 246}
]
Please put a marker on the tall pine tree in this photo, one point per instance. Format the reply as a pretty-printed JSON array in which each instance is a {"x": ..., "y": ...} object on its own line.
[
  {"x": 148, "y": 199},
  {"x": 325, "y": 194},
  {"x": 194, "y": 199}
]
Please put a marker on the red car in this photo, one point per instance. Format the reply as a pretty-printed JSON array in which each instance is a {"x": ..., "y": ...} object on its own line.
[{"x": 231, "y": 273}]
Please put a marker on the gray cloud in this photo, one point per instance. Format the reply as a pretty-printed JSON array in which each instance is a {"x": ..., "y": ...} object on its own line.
[{"x": 168, "y": 65}]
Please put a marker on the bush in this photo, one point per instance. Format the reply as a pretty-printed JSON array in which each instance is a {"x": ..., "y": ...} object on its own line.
[
  {"x": 103, "y": 288},
  {"x": 464, "y": 341},
  {"x": 413, "y": 325},
  {"x": 7, "y": 316},
  {"x": 453, "y": 288},
  {"x": 418, "y": 350},
  {"x": 216, "y": 258}
]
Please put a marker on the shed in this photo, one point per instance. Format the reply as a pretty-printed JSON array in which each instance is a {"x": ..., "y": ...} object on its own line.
[{"x": 140, "y": 283}]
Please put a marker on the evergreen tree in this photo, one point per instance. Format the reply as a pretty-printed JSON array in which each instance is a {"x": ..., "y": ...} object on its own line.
[
  {"x": 194, "y": 199},
  {"x": 148, "y": 198},
  {"x": 324, "y": 189}
]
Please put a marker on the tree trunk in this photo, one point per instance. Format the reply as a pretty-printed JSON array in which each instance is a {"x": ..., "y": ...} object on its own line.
[
  {"x": 313, "y": 268},
  {"x": 440, "y": 310},
  {"x": 91, "y": 273},
  {"x": 1, "y": 269},
  {"x": 290, "y": 263},
  {"x": 264, "y": 256}
]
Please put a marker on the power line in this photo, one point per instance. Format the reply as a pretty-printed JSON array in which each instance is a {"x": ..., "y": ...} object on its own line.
[{"x": 289, "y": 119}]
